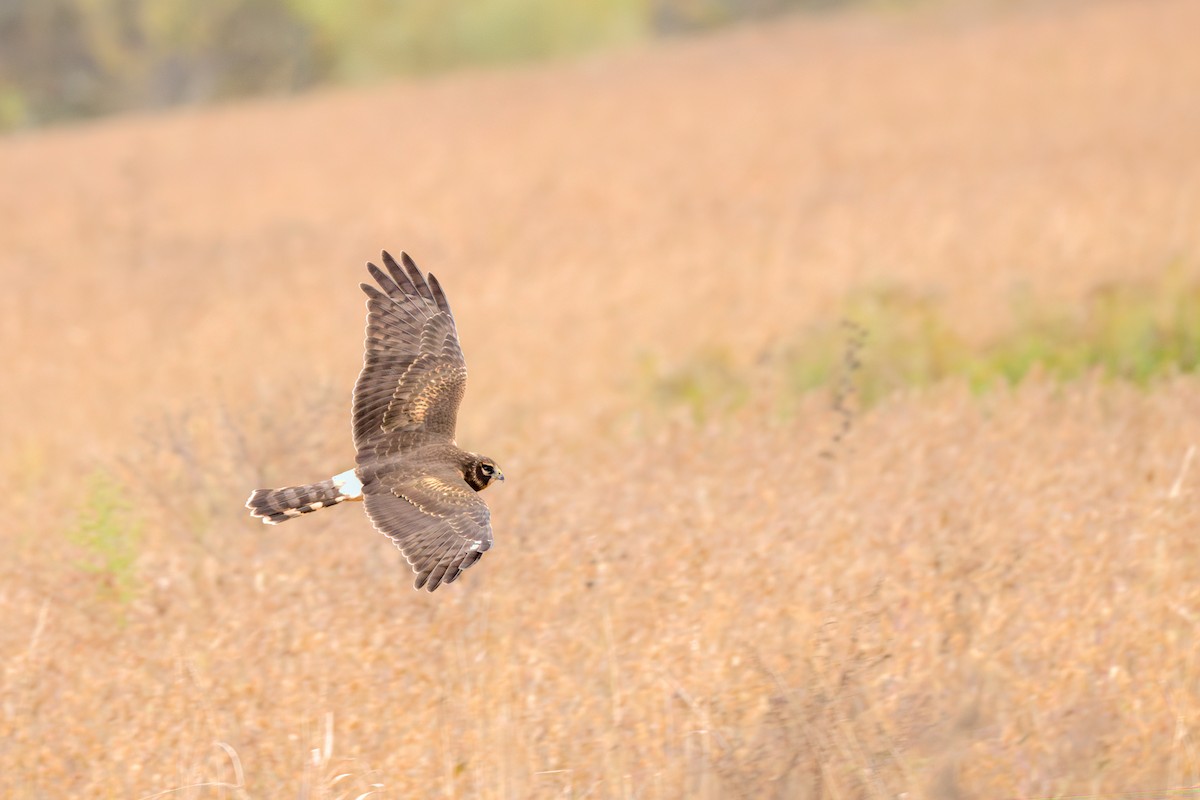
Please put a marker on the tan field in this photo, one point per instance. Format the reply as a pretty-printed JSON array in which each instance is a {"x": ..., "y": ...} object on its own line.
[{"x": 975, "y": 595}]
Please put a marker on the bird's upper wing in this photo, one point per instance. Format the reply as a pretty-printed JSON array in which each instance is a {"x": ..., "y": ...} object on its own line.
[
  {"x": 413, "y": 374},
  {"x": 440, "y": 524}
]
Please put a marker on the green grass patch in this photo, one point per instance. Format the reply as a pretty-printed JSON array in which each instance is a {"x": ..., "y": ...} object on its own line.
[
  {"x": 1135, "y": 333},
  {"x": 109, "y": 534},
  {"x": 706, "y": 383}
]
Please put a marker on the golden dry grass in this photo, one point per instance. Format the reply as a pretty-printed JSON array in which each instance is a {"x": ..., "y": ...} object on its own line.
[{"x": 977, "y": 596}]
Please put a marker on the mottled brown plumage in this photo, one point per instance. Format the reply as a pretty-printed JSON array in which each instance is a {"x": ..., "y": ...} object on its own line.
[{"x": 420, "y": 488}]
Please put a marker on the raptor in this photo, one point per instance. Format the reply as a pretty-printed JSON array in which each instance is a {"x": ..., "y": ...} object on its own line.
[{"x": 417, "y": 485}]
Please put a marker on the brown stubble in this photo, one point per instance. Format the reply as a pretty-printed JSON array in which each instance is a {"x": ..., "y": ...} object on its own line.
[{"x": 971, "y": 597}]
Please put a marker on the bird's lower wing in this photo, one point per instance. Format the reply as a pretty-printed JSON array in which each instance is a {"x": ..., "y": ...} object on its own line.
[{"x": 440, "y": 524}]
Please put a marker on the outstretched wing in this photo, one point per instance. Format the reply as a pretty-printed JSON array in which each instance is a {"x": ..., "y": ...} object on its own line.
[
  {"x": 438, "y": 522},
  {"x": 413, "y": 374}
]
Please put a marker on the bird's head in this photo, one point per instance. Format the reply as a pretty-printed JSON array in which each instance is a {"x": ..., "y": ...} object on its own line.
[{"x": 481, "y": 472}]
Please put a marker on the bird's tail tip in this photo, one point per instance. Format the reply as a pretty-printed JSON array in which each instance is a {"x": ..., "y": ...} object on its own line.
[{"x": 274, "y": 506}]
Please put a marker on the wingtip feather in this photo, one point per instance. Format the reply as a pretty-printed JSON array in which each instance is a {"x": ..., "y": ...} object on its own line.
[
  {"x": 402, "y": 278},
  {"x": 386, "y": 283},
  {"x": 417, "y": 277},
  {"x": 439, "y": 295}
]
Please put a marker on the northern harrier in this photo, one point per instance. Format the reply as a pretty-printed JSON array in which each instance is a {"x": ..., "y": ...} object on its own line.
[{"x": 420, "y": 489}]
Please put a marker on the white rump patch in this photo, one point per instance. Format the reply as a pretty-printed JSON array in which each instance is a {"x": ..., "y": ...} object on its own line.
[{"x": 348, "y": 484}]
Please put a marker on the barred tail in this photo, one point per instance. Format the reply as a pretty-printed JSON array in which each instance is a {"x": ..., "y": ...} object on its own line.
[{"x": 279, "y": 505}]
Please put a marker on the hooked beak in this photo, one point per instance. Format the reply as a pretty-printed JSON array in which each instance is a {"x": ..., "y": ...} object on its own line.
[{"x": 499, "y": 475}]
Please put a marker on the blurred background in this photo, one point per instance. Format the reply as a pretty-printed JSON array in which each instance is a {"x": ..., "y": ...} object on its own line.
[
  {"x": 840, "y": 356},
  {"x": 70, "y": 59}
]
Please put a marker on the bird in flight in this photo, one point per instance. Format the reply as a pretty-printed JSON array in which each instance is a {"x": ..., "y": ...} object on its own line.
[{"x": 418, "y": 487}]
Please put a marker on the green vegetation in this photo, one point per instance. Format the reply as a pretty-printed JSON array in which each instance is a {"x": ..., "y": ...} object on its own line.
[
  {"x": 1134, "y": 333},
  {"x": 109, "y": 534},
  {"x": 65, "y": 59},
  {"x": 365, "y": 39},
  {"x": 707, "y": 383}
]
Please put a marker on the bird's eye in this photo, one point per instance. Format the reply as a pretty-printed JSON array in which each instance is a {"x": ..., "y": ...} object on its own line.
[{"x": 486, "y": 469}]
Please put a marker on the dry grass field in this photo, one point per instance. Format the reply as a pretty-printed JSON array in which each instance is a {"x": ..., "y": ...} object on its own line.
[{"x": 974, "y": 594}]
